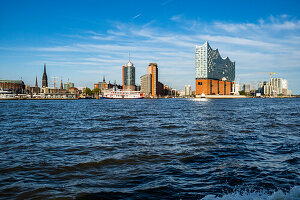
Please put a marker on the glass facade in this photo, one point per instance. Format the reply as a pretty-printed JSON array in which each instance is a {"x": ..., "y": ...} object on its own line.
[
  {"x": 210, "y": 65},
  {"x": 129, "y": 74}
]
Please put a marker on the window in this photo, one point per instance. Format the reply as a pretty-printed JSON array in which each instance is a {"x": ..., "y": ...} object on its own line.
[{"x": 199, "y": 83}]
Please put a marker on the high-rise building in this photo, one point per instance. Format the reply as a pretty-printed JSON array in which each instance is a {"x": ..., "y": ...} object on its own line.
[
  {"x": 187, "y": 90},
  {"x": 268, "y": 89},
  {"x": 246, "y": 88},
  {"x": 146, "y": 85},
  {"x": 214, "y": 74},
  {"x": 279, "y": 84},
  {"x": 153, "y": 70},
  {"x": 128, "y": 77},
  {"x": 45, "y": 79}
]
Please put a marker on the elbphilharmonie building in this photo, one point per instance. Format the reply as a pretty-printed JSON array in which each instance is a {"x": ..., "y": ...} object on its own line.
[{"x": 214, "y": 74}]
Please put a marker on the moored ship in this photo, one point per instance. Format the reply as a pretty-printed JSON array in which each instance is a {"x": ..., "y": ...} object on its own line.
[{"x": 121, "y": 94}]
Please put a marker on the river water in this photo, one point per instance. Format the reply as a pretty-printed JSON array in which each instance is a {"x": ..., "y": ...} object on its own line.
[{"x": 148, "y": 149}]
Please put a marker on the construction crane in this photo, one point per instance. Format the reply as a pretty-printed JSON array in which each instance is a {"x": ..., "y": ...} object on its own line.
[{"x": 270, "y": 73}]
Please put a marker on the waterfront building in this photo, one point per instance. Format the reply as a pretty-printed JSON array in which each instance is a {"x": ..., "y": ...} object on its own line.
[
  {"x": 16, "y": 86},
  {"x": 153, "y": 71},
  {"x": 138, "y": 88},
  {"x": 260, "y": 87},
  {"x": 181, "y": 93},
  {"x": 35, "y": 89},
  {"x": 279, "y": 84},
  {"x": 45, "y": 78},
  {"x": 246, "y": 88},
  {"x": 68, "y": 85},
  {"x": 214, "y": 74},
  {"x": 187, "y": 90},
  {"x": 101, "y": 85},
  {"x": 268, "y": 89},
  {"x": 150, "y": 86},
  {"x": 146, "y": 85},
  {"x": 236, "y": 88},
  {"x": 128, "y": 72},
  {"x": 160, "y": 89}
]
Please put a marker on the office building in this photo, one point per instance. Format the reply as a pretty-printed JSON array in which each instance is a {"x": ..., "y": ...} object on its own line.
[
  {"x": 153, "y": 71},
  {"x": 128, "y": 72},
  {"x": 214, "y": 74},
  {"x": 146, "y": 85},
  {"x": 246, "y": 88},
  {"x": 68, "y": 85},
  {"x": 101, "y": 85},
  {"x": 279, "y": 84},
  {"x": 187, "y": 90}
]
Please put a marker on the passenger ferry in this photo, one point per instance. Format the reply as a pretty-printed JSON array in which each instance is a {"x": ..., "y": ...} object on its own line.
[{"x": 121, "y": 94}]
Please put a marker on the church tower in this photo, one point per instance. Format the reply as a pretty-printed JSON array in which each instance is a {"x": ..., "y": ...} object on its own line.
[
  {"x": 36, "y": 82},
  {"x": 45, "y": 79}
]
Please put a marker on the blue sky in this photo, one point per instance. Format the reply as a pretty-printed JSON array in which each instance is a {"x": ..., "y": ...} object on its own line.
[{"x": 84, "y": 40}]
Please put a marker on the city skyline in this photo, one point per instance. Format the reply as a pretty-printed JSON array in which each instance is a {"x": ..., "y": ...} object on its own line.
[{"x": 88, "y": 41}]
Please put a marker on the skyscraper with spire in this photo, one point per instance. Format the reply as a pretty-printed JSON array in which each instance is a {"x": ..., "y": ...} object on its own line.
[
  {"x": 128, "y": 72},
  {"x": 45, "y": 79}
]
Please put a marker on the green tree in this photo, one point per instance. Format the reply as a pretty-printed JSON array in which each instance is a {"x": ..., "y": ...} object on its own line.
[
  {"x": 96, "y": 91},
  {"x": 242, "y": 92},
  {"x": 88, "y": 91}
]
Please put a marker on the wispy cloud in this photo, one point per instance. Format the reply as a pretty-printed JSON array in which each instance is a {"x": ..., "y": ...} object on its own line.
[
  {"x": 138, "y": 15},
  {"x": 270, "y": 44}
]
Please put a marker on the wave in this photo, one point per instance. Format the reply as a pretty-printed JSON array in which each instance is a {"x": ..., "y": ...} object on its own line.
[{"x": 293, "y": 194}]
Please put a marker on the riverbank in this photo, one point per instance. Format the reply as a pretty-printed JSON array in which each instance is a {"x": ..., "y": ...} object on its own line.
[{"x": 40, "y": 99}]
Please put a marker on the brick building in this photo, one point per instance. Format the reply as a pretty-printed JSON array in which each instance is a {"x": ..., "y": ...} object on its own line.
[{"x": 16, "y": 86}]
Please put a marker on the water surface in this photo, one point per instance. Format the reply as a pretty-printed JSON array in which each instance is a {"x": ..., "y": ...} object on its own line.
[{"x": 151, "y": 149}]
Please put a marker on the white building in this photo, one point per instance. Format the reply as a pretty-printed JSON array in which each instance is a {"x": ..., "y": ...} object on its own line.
[
  {"x": 236, "y": 88},
  {"x": 280, "y": 86},
  {"x": 187, "y": 90}
]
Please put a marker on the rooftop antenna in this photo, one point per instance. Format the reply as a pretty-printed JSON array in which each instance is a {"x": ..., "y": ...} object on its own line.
[{"x": 129, "y": 56}]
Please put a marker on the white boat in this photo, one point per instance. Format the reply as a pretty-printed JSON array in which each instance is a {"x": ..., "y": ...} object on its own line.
[
  {"x": 6, "y": 94},
  {"x": 203, "y": 95},
  {"x": 121, "y": 94}
]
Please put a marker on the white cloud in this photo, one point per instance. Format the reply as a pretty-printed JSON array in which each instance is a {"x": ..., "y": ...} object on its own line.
[{"x": 269, "y": 45}]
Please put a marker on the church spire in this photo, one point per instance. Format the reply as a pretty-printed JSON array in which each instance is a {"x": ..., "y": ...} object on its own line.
[
  {"x": 61, "y": 84},
  {"x": 36, "y": 82},
  {"x": 45, "y": 78},
  {"x": 103, "y": 79}
]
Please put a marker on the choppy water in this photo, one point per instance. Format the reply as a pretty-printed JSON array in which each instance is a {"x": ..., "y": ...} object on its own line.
[{"x": 149, "y": 149}]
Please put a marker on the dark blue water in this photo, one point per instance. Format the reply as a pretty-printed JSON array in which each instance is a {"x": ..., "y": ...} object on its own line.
[{"x": 147, "y": 149}]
